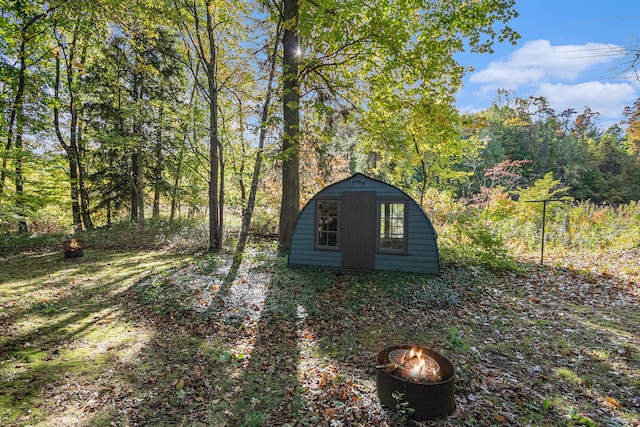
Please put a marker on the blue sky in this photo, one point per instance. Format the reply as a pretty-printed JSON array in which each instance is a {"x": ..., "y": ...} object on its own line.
[{"x": 571, "y": 52}]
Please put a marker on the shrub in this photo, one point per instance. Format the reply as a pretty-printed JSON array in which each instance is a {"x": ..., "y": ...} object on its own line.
[{"x": 473, "y": 241}]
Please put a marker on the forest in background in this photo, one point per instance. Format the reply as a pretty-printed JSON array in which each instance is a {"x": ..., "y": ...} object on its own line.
[{"x": 188, "y": 110}]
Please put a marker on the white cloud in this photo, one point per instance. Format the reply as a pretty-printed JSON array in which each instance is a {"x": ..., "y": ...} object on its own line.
[
  {"x": 538, "y": 61},
  {"x": 500, "y": 75},
  {"x": 568, "y": 76},
  {"x": 608, "y": 99}
]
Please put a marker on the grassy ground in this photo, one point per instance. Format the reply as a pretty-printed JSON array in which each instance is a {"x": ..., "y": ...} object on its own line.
[{"x": 152, "y": 337}]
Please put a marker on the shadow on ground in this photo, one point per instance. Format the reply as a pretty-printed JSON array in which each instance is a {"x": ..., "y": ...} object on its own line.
[{"x": 150, "y": 338}]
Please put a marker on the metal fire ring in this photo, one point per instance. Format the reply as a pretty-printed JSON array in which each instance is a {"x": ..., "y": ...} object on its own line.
[{"x": 428, "y": 399}]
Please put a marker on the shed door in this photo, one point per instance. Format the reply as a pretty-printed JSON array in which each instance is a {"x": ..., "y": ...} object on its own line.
[{"x": 359, "y": 230}]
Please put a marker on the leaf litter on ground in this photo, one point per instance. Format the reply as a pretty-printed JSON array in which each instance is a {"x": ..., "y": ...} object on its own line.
[{"x": 204, "y": 342}]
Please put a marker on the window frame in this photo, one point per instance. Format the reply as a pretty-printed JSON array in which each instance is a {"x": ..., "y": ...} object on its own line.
[
  {"x": 316, "y": 218},
  {"x": 404, "y": 250}
]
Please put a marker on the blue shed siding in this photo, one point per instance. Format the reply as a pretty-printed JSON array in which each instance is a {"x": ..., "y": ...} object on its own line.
[
  {"x": 302, "y": 250},
  {"x": 422, "y": 250}
]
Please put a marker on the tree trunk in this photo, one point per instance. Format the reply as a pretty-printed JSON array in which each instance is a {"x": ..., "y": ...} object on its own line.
[
  {"x": 109, "y": 213},
  {"x": 214, "y": 237},
  {"x": 134, "y": 198},
  {"x": 19, "y": 160},
  {"x": 72, "y": 155},
  {"x": 221, "y": 195},
  {"x": 255, "y": 178},
  {"x": 140, "y": 186},
  {"x": 156, "y": 203},
  {"x": 137, "y": 195},
  {"x": 17, "y": 105},
  {"x": 75, "y": 193},
  {"x": 157, "y": 172},
  {"x": 71, "y": 148},
  {"x": 5, "y": 157},
  {"x": 290, "y": 203},
  {"x": 215, "y": 227},
  {"x": 84, "y": 194},
  {"x": 176, "y": 185},
  {"x": 243, "y": 153},
  {"x": 423, "y": 185},
  {"x": 157, "y": 182},
  {"x": 17, "y": 115}
]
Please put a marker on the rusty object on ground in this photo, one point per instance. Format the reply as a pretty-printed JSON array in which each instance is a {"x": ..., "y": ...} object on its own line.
[
  {"x": 73, "y": 248},
  {"x": 422, "y": 378}
]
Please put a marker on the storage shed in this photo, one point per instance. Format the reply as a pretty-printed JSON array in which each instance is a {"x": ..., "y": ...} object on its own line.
[{"x": 364, "y": 224}]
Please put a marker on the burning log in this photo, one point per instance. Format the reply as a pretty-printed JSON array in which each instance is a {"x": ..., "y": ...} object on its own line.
[
  {"x": 415, "y": 366},
  {"x": 423, "y": 377},
  {"x": 73, "y": 248}
]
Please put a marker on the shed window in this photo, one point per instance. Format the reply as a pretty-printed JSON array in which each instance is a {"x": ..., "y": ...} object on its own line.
[
  {"x": 327, "y": 221},
  {"x": 392, "y": 226}
]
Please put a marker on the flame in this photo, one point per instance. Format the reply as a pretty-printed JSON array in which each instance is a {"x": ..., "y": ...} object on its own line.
[{"x": 419, "y": 366}]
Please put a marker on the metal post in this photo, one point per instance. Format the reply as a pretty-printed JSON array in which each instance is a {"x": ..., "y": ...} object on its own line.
[{"x": 544, "y": 221}]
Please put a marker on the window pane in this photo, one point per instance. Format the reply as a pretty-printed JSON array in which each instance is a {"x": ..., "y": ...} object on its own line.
[
  {"x": 327, "y": 215},
  {"x": 392, "y": 225}
]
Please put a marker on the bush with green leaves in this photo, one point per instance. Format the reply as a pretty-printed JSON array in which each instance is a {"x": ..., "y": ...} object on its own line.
[{"x": 471, "y": 240}]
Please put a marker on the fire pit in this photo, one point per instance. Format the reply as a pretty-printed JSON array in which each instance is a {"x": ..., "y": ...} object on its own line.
[
  {"x": 423, "y": 378},
  {"x": 73, "y": 248}
]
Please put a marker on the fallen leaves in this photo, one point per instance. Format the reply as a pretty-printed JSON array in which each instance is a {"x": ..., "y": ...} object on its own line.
[
  {"x": 279, "y": 346},
  {"x": 613, "y": 402},
  {"x": 499, "y": 418}
]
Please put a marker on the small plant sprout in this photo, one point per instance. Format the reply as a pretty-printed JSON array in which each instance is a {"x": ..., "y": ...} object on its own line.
[{"x": 402, "y": 406}]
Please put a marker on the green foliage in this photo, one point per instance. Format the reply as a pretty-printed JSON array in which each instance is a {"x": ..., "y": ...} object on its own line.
[
  {"x": 593, "y": 164},
  {"x": 183, "y": 234},
  {"x": 398, "y": 60},
  {"x": 569, "y": 227},
  {"x": 44, "y": 307},
  {"x": 41, "y": 172},
  {"x": 582, "y": 420},
  {"x": 455, "y": 340},
  {"x": 157, "y": 233},
  {"x": 543, "y": 189},
  {"x": 471, "y": 240},
  {"x": 489, "y": 233},
  {"x": 402, "y": 406},
  {"x": 254, "y": 420},
  {"x": 17, "y": 242}
]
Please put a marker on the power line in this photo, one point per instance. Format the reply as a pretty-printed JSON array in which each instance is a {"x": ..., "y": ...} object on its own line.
[
  {"x": 595, "y": 48},
  {"x": 592, "y": 56}
]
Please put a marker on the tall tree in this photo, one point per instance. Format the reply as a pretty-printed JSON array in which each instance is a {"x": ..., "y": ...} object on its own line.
[
  {"x": 130, "y": 83},
  {"x": 354, "y": 51},
  {"x": 201, "y": 23},
  {"x": 632, "y": 120},
  {"x": 264, "y": 118},
  {"x": 291, "y": 121},
  {"x": 73, "y": 33},
  {"x": 25, "y": 23}
]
